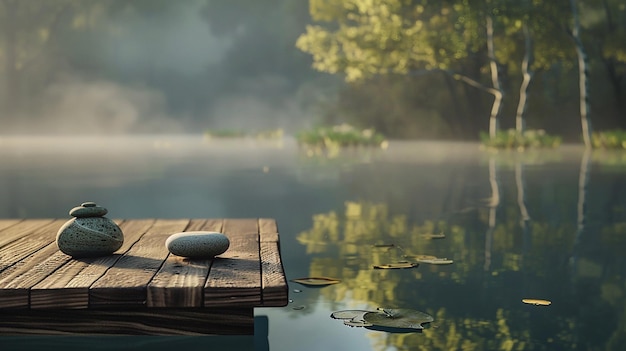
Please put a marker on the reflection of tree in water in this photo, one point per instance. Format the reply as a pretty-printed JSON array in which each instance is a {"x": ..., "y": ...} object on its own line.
[
  {"x": 476, "y": 309},
  {"x": 597, "y": 259},
  {"x": 346, "y": 245}
]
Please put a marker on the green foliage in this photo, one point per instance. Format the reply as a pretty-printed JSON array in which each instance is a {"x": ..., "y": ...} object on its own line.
[
  {"x": 610, "y": 139},
  {"x": 391, "y": 36},
  {"x": 511, "y": 139},
  {"x": 340, "y": 136},
  {"x": 360, "y": 40}
]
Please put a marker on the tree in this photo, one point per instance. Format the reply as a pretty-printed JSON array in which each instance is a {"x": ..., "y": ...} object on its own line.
[
  {"x": 583, "y": 72},
  {"x": 364, "y": 39},
  {"x": 527, "y": 73},
  {"x": 607, "y": 27}
]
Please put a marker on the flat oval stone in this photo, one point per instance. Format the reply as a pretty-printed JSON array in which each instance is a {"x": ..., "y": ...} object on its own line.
[
  {"x": 197, "y": 244},
  {"x": 89, "y": 237},
  {"x": 88, "y": 209}
]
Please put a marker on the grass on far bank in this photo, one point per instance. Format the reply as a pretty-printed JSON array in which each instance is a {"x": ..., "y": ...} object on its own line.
[
  {"x": 610, "y": 139},
  {"x": 340, "y": 136},
  {"x": 512, "y": 139}
]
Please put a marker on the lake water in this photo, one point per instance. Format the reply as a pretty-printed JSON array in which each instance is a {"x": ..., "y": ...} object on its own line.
[{"x": 546, "y": 225}]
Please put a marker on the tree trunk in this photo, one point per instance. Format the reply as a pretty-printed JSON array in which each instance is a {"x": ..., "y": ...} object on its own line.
[
  {"x": 495, "y": 81},
  {"x": 582, "y": 76},
  {"x": 520, "y": 117}
]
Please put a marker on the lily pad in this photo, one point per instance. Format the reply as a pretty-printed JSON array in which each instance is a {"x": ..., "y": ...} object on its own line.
[
  {"x": 436, "y": 261},
  {"x": 402, "y": 318},
  {"x": 399, "y": 265},
  {"x": 537, "y": 302},
  {"x": 352, "y": 318},
  {"x": 347, "y": 314},
  {"x": 316, "y": 281}
]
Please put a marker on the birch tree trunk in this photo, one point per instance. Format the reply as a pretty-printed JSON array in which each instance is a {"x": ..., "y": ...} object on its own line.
[
  {"x": 527, "y": 74},
  {"x": 582, "y": 76},
  {"x": 495, "y": 80}
]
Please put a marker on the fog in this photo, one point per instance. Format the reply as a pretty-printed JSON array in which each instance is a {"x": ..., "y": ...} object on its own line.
[{"x": 152, "y": 67}]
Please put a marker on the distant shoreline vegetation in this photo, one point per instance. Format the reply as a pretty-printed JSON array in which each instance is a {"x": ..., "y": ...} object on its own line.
[
  {"x": 343, "y": 135},
  {"x": 270, "y": 134},
  {"x": 610, "y": 139},
  {"x": 512, "y": 139}
]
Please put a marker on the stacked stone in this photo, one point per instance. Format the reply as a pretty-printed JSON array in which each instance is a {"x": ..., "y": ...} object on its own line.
[{"x": 89, "y": 233}]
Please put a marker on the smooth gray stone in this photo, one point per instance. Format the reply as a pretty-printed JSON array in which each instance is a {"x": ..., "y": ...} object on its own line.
[
  {"x": 89, "y": 237},
  {"x": 197, "y": 244},
  {"x": 88, "y": 209}
]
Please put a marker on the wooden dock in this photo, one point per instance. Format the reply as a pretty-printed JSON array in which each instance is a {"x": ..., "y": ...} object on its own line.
[{"x": 142, "y": 288}]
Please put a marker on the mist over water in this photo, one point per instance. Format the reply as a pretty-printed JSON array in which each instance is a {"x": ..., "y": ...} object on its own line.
[{"x": 164, "y": 68}]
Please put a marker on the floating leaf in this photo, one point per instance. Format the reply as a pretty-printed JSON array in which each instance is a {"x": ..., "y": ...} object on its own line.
[
  {"x": 402, "y": 318},
  {"x": 399, "y": 265},
  {"x": 433, "y": 236},
  {"x": 436, "y": 261},
  {"x": 297, "y": 308},
  {"x": 347, "y": 314},
  {"x": 537, "y": 302},
  {"x": 316, "y": 281},
  {"x": 352, "y": 318}
]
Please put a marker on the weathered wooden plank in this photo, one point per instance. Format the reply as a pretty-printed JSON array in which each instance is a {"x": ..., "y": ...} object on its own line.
[
  {"x": 274, "y": 285},
  {"x": 6, "y": 223},
  {"x": 27, "y": 260},
  {"x": 68, "y": 287},
  {"x": 180, "y": 281},
  {"x": 125, "y": 283},
  {"x": 19, "y": 277},
  {"x": 12, "y": 233},
  {"x": 235, "y": 277},
  {"x": 268, "y": 229},
  {"x": 158, "y": 321}
]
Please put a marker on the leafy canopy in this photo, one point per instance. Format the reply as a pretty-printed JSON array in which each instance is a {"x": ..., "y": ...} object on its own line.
[{"x": 363, "y": 38}]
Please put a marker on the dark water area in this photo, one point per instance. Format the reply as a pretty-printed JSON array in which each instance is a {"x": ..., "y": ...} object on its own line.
[{"x": 545, "y": 225}]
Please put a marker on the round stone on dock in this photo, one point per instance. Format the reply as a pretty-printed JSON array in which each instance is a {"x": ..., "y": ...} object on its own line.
[
  {"x": 197, "y": 244},
  {"x": 88, "y": 209},
  {"x": 89, "y": 237},
  {"x": 89, "y": 233}
]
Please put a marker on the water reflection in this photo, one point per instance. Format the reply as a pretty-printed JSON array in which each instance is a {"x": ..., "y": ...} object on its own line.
[
  {"x": 477, "y": 301},
  {"x": 512, "y": 222}
]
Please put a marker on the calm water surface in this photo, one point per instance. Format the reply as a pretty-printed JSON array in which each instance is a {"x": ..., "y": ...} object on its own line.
[{"x": 548, "y": 225}]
